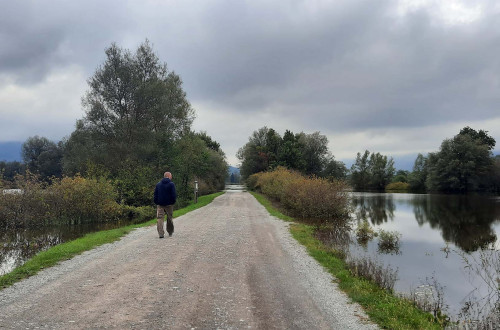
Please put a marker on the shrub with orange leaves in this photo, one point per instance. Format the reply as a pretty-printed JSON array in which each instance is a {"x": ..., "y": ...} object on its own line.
[
  {"x": 81, "y": 199},
  {"x": 303, "y": 197},
  {"x": 67, "y": 200}
]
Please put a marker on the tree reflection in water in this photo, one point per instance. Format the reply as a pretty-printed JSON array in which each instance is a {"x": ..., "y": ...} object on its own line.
[
  {"x": 467, "y": 221},
  {"x": 468, "y": 226},
  {"x": 377, "y": 208},
  {"x": 20, "y": 244},
  {"x": 17, "y": 248}
]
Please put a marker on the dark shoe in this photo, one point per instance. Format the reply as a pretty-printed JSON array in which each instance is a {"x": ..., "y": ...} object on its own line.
[
  {"x": 163, "y": 236},
  {"x": 170, "y": 227}
]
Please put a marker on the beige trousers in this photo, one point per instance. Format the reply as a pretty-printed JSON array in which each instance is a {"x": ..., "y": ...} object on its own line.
[{"x": 161, "y": 210}]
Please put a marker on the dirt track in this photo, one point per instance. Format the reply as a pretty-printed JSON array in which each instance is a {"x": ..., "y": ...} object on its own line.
[{"x": 228, "y": 265}]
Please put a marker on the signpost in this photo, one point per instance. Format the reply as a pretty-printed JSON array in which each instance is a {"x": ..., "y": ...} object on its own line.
[{"x": 195, "y": 191}]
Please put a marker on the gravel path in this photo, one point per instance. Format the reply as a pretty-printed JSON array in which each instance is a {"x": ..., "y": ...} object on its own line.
[{"x": 229, "y": 265}]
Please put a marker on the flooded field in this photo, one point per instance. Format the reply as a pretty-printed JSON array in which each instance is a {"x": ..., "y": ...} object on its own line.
[
  {"x": 447, "y": 243},
  {"x": 19, "y": 244}
]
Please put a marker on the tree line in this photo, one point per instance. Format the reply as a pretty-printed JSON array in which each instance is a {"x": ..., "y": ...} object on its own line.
[
  {"x": 306, "y": 153},
  {"x": 463, "y": 163},
  {"x": 137, "y": 124}
]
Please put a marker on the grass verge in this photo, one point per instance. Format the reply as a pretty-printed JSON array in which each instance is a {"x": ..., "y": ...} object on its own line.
[
  {"x": 269, "y": 207},
  {"x": 383, "y": 308},
  {"x": 70, "y": 249}
]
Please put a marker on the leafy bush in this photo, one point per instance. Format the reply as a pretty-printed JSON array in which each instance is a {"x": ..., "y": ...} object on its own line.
[
  {"x": 384, "y": 277},
  {"x": 364, "y": 232},
  {"x": 135, "y": 183},
  {"x": 251, "y": 182},
  {"x": 66, "y": 200},
  {"x": 304, "y": 197},
  {"x": 81, "y": 200},
  {"x": 317, "y": 198},
  {"x": 274, "y": 184},
  {"x": 398, "y": 186},
  {"x": 17, "y": 210},
  {"x": 138, "y": 213},
  {"x": 388, "y": 241}
]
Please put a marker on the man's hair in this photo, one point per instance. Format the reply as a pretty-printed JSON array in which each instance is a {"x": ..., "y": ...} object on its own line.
[{"x": 167, "y": 175}]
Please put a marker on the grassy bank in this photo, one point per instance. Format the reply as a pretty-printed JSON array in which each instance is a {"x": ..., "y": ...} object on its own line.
[
  {"x": 70, "y": 249},
  {"x": 382, "y": 307}
]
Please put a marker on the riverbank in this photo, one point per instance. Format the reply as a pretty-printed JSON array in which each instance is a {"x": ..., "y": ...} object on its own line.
[
  {"x": 229, "y": 265},
  {"x": 381, "y": 306},
  {"x": 70, "y": 249}
]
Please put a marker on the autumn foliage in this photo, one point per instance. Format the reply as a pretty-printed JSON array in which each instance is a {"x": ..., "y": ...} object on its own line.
[
  {"x": 301, "y": 196},
  {"x": 68, "y": 200}
]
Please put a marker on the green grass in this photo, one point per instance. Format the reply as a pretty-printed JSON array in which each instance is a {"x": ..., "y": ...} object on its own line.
[
  {"x": 383, "y": 308},
  {"x": 269, "y": 207},
  {"x": 70, "y": 249}
]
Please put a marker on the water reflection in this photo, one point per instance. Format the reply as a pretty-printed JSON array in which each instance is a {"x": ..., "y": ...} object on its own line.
[
  {"x": 376, "y": 208},
  {"x": 466, "y": 221},
  {"x": 20, "y": 244},
  {"x": 452, "y": 239}
]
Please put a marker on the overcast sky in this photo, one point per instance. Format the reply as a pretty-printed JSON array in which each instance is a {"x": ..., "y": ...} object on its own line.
[{"x": 395, "y": 77}]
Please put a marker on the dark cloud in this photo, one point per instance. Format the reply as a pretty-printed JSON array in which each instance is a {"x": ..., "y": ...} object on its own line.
[
  {"x": 336, "y": 66},
  {"x": 37, "y": 37},
  {"x": 351, "y": 65}
]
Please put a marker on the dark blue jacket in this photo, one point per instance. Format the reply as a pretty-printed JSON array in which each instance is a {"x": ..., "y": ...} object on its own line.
[{"x": 165, "y": 192}]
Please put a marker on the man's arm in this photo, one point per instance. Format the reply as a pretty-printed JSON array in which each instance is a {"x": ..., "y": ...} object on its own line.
[
  {"x": 156, "y": 195},
  {"x": 174, "y": 193}
]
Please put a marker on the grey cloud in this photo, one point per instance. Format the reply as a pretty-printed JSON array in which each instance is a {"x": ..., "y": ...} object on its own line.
[
  {"x": 351, "y": 66},
  {"x": 38, "y": 36},
  {"x": 345, "y": 65}
]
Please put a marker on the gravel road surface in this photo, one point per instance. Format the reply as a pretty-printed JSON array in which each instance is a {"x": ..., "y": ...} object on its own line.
[{"x": 229, "y": 265}]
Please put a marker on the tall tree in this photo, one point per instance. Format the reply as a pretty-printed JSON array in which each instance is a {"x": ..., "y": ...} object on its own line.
[
  {"x": 9, "y": 170},
  {"x": 137, "y": 124},
  {"x": 253, "y": 155},
  {"x": 42, "y": 156},
  {"x": 272, "y": 148},
  {"x": 334, "y": 169},
  {"x": 314, "y": 152},
  {"x": 401, "y": 176},
  {"x": 418, "y": 176},
  {"x": 290, "y": 154},
  {"x": 266, "y": 149},
  {"x": 381, "y": 171},
  {"x": 480, "y": 136},
  {"x": 371, "y": 171},
  {"x": 461, "y": 162},
  {"x": 360, "y": 171},
  {"x": 135, "y": 108}
]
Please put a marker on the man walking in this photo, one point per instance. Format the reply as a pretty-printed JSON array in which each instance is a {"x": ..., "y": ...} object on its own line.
[{"x": 165, "y": 197}]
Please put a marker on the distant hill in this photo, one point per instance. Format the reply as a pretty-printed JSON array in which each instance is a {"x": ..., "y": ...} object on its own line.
[
  {"x": 234, "y": 170},
  {"x": 10, "y": 151}
]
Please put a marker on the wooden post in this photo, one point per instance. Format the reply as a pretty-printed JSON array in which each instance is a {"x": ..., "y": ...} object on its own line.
[{"x": 195, "y": 191}]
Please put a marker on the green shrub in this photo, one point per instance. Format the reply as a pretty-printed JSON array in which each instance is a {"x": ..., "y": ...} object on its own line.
[
  {"x": 134, "y": 184},
  {"x": 364, "y": 232},
  {"x": 303, "y": 197},
  {"x": 251, "y": 182},
  {"x": 138, "y": 213},
  {"x": 317, "y": 198},
  {"x": 19, "y": 210},
  {"x": 67, "y": 200},
  {"x": 388, "y": 241},
  {"x": 398, "y": 186},
  {"x": 274, "y": 184},
  {"x": 79, "y": 199}
]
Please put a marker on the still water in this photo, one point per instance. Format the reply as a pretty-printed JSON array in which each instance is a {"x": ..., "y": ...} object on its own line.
[
  {"x": 437, "y": 233},
  {"x": 20, "y": 244}
]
